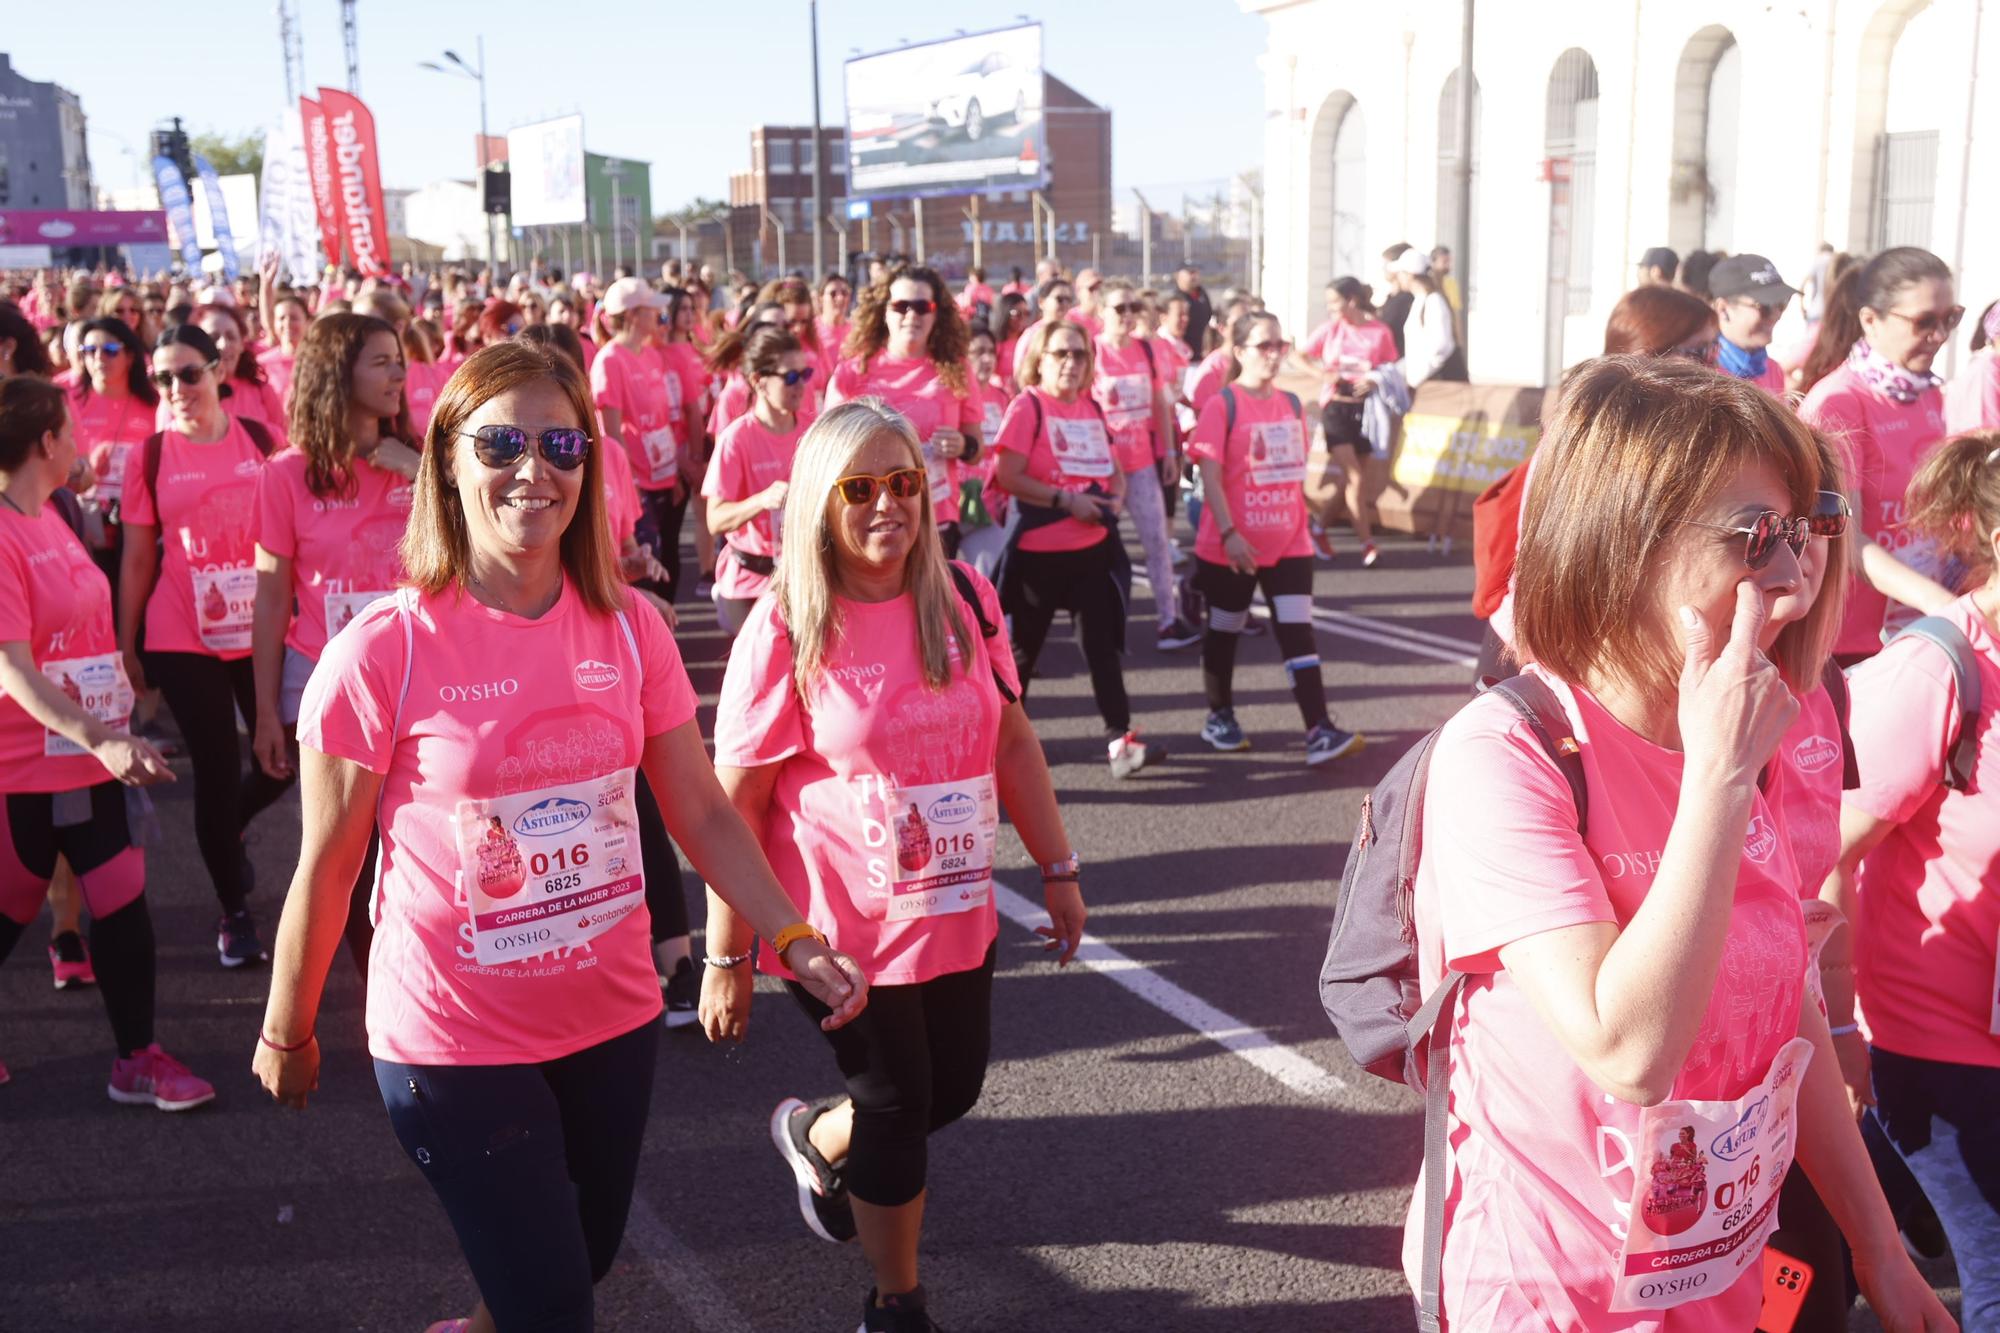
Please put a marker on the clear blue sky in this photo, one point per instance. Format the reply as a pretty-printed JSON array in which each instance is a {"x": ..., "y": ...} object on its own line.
[{"x": 676, "y": 82}]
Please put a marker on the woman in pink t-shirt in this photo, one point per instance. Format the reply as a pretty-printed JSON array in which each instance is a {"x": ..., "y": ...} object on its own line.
[
  {"x": 114, "y": 405},
  {"x": 1135, "y": 391},
  {"x": 1250, "y": 446},
  {"x": 908, "y": 349},
  {"x": 1055, "y": 456},
  {"x": 1880, "y": 404},
  {"x": 1010, "y": 320},
  {"x": 250, "y": 395},
  {"x": 286, "y": 317},
  {"x": 836, "y": 295},
  {"x": 188, "y": 576},
  {"x": 1919, "y": 851},
  {"x": 869, "y": 730},
  {"x": 1636, "y": 1057},
  {"x": 1349, "y": 350},
  {"x": 750, "y": 475},
  {"x": 491, "y": 719},
  {"x": 65, "y": 707},
  {"x": 1972, "y": 399},
  {"x": 639, "y": 409}
]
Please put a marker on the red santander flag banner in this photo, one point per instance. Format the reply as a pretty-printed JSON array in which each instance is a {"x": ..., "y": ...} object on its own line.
[
  {"x": 358, "y": 178},
  {"x": 319, "y": 168}
]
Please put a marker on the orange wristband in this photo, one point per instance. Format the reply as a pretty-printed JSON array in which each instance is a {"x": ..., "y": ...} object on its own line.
[{"x": 792, "y": 934}]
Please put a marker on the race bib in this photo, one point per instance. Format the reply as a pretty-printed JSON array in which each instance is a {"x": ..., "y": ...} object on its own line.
[
  {"x": 111, "y": 480},
  {"x": 342, "y": 607},
  {"x": 944, "y": 835},
  {"x": 661, "y": 452},
  {"x": 1277, "y": 454},
  {"x": 549, "y": 869},
  {"x": 224, "y": 602},
  {"x": 1082, "y": 448},
  {"x": 1128, "y": 401},
  {"x": 99, "y": 687},
  {"x": 990, "y": 422},
  {"x": 938, "y": 470},
  {"x": 673, "y": 383},
  {"x": 1705, "y": 1195}
]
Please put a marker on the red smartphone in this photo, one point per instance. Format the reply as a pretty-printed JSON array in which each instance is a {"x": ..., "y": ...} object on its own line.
[{"x": 1786, "y": 1281}]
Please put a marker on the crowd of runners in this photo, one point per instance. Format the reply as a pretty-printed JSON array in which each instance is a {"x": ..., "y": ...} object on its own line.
[{"x": 1714, "y": 895}]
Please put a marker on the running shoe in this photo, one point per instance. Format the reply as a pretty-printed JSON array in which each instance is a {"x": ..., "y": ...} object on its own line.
[
  {"x": 4, "y": 1075},
  {"x": 898, "y": 1314},
  {"x": 683, "y": 995},
  {"x": 1128, "y": 755},
  {"x": 1222, "y": 732},
  {"x": 450, "y": 1326},
  {"x": 1369, "y": 555},
  {"x": 1175, "y": 555},
  {"x": 71, "y": 961},
  {"x": 236, "y": 941},
  {"x": 151, "y": 1077},
  {"x": 822, "y": 1191},
  {"x": 1322, "y": 541},
  {"x": 1326, "y": 742},
  {"x": 1178, "y": 634}
]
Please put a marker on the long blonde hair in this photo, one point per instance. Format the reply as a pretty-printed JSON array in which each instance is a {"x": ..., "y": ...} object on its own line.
[{"x": 808, "y": 574}]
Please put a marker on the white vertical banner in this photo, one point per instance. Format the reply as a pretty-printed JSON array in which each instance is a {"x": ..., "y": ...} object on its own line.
[{"x": 288, "y": 220}]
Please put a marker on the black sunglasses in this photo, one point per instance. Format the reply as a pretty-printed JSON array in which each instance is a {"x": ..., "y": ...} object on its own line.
[
  {"x": 1121, "y": 309},
  {"x": 564, "y": 447},
  {"x": 913, "y": 307},
  {"x": 794, "y": 377},
  {"x": 861, "y": 489},
  {"x": 1761, "y": 537},
  {"x": 187, "y": 375},
  {"x": 1066, "y": 353},
  {"x": 1702, "y": 352},
  {"x": 103, "y": 349}
]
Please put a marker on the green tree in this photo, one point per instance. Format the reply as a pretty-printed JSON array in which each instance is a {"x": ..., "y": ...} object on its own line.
[{"x": 231, "y": 156}]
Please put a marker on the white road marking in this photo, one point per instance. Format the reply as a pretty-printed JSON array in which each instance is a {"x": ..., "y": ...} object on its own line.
[
  {"x": 1247, "y": 1043},
  {"x": 677, "y": 1270}
]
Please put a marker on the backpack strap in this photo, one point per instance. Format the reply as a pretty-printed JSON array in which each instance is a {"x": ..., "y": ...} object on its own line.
[
  {"x": 1963, "y": 756},
  {"x": 1298, "y": 409},
  {"x": 1543, "y": 712},
  {"x": 1228, "y": 415},
  {"x": 962, "y": 581},
  {"x": 1835, "y": 681},
  {"x": 259, "y": 434},
  {"x": 149, "y": 460}
]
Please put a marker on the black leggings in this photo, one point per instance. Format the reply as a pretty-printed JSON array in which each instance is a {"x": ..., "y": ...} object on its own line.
[
  {"x": 205, "y": 693},
  {"x": 666, "y": 900},
  {"x": 914, "y": 1062},
  {"x": 1287, "y": 587},
  {"x": 1039, "y": 584},
  {"x": 535, "y": 1166},
  {"x": 661, "y": 514}
]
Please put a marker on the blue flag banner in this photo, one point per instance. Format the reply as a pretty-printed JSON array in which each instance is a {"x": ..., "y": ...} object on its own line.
[
  {"x": 179, "y": 204},
  {"x": 218, "y": 217}
]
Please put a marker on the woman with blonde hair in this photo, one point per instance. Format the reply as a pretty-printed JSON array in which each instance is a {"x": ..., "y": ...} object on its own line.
[
  {"x": 869, "y": 729},
  {"x": 417, "y": 722}
]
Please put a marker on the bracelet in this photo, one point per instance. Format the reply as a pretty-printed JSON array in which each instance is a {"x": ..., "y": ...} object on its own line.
[
  {"x": 792, "y": 934},
  {"x": 296, "y": 1046},
  {"x": 1844, "y": 1030},
  {"x": 1227, "y": 533},
  {"x": 734, "y": 960}
]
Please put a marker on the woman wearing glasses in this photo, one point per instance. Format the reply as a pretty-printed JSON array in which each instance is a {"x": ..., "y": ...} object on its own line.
[
  {"x": 750, "y": 475},
  {"x": 190, "y": 491},
  {"x": 114, "y": 405},
  {"x": 869, "y": 730},
  {"x": 637, "y": 401},
  {"x": 908, "y": 348},
  {"x": 492, "y": 718},
  {"x": 1874, "y": 393},
  {"x": 1635, "y": 997},
  {"x": 1250, "y": 445},
  {"x": 250, "y": 397}
]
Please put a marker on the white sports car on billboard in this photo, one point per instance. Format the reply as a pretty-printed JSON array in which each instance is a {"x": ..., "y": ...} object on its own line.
[{"x": 989, "y": 87}]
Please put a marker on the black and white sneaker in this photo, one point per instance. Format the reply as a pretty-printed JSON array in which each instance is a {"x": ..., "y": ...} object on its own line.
[
  {"x": 1327, "y": 742},
  {"x": 1178, "y": 634},
  {"x": 683, "y": 995},
  {"x": 823, "y": 1199},
  {"x": 236, "y": 942},
  {"x": 903, "y": 1313}
]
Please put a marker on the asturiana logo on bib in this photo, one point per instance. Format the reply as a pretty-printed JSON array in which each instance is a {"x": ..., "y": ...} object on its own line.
[
  {"x": 1742, "y": 1136},
  {"x": 592, "y": 674},
  {"x": 1816, "y": 753},
  {"x": 1761, "y": 840},
  {"x": 952, "y": 808},
  {"x": 545, "y": 819}
]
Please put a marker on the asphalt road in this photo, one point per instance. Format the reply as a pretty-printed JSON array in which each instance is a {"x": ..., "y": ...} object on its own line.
[{"x": 1169, "y": 1140}]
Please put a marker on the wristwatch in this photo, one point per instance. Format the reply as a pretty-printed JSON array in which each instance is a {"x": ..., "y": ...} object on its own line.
[{"x": 1070, "y": 867}]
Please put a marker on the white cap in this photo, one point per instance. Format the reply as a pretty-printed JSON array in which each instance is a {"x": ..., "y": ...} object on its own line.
[
  {"x": 629, "y": 294},
  {"x": 1413, "y": 261}
]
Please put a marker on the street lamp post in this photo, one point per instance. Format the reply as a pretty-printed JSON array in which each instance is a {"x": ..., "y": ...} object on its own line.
[{"x": 478, "y": 75}]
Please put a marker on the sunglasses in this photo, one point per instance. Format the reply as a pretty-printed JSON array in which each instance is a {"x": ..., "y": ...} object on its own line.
[
  {"x": 1121, "y": 309},
  {"x": 1768, "y": 311},
  {"x": 1829, "y": 515},
  {"x": 563, "y": 447},
  {"x": 1276, "y": 348},
  {"x": 794, "y": 377},
  {"x": 1704, "y": 353},
  {"x": 1931, "y": 322},
  {"x": 1064, "y": 300},
  {"x": 913, "y": 307},
  {"x": 1066, "y": 353},
  {"x": 861, "y": 489},
  {"x": 187, "y": 375},
  {"x": 1761, "y": 537},
  {"x": 103, "y": 349}
]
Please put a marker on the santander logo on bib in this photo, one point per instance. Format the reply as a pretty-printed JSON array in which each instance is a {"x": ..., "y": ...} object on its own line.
[
  {"x": 1814, "y": 754},
  {"x": 1761, "y": 840},
  {"x": 592, "y": 674}
]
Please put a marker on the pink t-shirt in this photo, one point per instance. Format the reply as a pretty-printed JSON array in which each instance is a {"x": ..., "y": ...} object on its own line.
[
  {"x": 1930, "y": 893},
  {"x": 1263, "y": 474},
  {"x": 1174, "y": 358},
  {"x": 749, "y": 456},
  {"x": 1806, "y": 787},
  {"x": 621, "y": 497},
  {"x": 912, "y": 386},
  {"x": 1126, "y": 387},
  {"x": 422, "y": 384},
  {"x": 207, "y": 515},
  {"x": 1972, "y": 399},
  {"x": 634, "y": 385},
  {"x": 1067, "y": 446},
  {"x": 278, "y": 364},
  {"x": 108, "y": 431},
  {"x": 1354, "y": 348},
  {"x": 55, "y": 600},
  {"x": 868, "y": 726},
  {"x": 490, "y": 705},
  {"x": 1883, "y": 442},
  {"x": 343, "y": 547},
  {"x": 687, "y": 384},
  {"x": 1209, "y": 377},
  {"x": 1543, "y": 1169}
]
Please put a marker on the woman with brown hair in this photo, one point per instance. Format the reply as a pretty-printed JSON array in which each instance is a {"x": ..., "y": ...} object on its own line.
[
  {"x": 414, "y": 722},
  {"x": 1662, "y": 321},
  {"x": 908, "y": 347},
  {"x": 750, "y": 476},
  {"x": 249, "y": 395}
]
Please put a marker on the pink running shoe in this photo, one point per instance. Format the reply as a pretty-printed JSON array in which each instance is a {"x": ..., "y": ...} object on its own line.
[
  {"x": 4, "y": 1075},
  {"x": 152, "y": 1077},
  {"x": 71, "y": 961},
  {"x": 449, "y": 1326}
]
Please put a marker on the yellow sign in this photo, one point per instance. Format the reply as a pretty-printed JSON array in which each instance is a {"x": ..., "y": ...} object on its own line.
[{"x": 1460, "y": 453}]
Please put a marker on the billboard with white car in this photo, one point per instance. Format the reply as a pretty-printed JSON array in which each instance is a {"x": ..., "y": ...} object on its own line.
[{"x": 955, "y": 116}]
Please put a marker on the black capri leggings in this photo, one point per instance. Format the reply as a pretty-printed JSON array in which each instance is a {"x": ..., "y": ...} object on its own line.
[
  {"x": 205, "y": 693},
  {"x": 661, "y": 514},
  {"x": 1038, "y": 584},
  {"x": 914, "y": 1062},
  {"x": 1287, "y": 587},
  {"x": 666, "y": 901}
]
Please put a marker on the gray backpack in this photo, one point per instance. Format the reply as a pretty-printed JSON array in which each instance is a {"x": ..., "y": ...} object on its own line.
[
  {"x": 1963, "y": 758},
  {"x": 1369, "y": 984}
]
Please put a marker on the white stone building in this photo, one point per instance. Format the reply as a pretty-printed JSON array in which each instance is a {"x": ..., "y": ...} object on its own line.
[{"x": 1603, "y": 127}]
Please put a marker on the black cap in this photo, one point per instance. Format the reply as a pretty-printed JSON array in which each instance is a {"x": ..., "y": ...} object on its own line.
[
  {"x": 1749, "y": 275},
  {"x": 1661, "y": 258}
]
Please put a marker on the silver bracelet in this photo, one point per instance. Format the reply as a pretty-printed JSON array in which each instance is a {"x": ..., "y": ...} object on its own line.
[
  {"x": 735, "y": 960},
  {"x": 1845, "y": 1029}
]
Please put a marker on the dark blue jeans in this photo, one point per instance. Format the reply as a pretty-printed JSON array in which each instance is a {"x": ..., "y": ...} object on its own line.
[
  {"x": 534, "y": 1165},
  {"x": 1943, "y": 1119}
]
